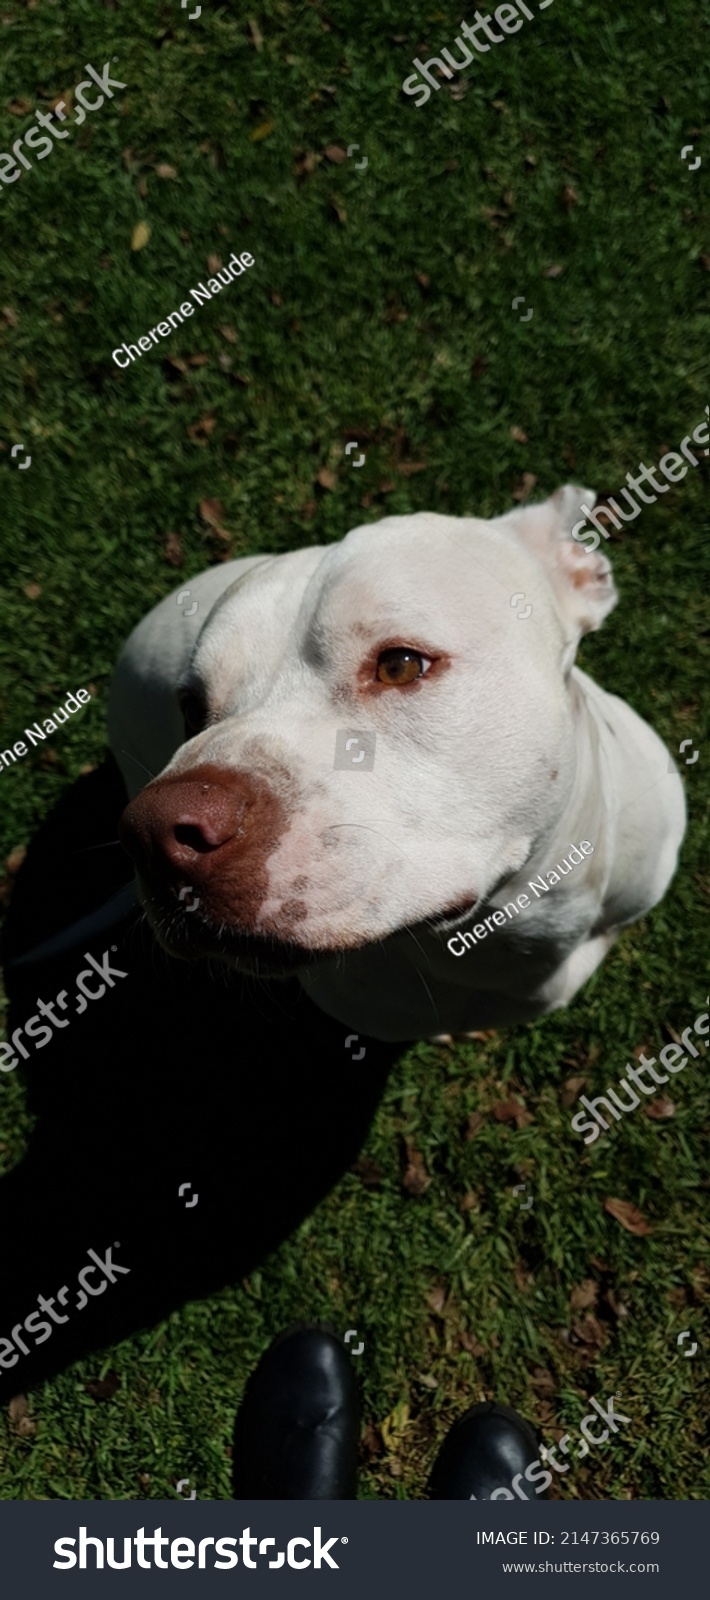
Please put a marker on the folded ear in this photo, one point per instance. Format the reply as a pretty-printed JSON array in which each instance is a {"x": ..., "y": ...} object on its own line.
[{"x": 581, "y": 578}]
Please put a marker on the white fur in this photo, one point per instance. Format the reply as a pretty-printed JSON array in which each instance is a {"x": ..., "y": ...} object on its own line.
[{"x": 461, "y": 802}]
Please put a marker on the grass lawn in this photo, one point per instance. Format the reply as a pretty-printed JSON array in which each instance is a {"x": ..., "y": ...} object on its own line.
[{"x": 379, "y": 309}]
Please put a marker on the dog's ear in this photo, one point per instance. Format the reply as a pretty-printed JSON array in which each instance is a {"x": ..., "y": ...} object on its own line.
[{"x": 580, "y": 576}]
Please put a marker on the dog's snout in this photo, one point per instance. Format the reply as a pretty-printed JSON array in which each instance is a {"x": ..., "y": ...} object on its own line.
[{"x": 179, "y": 820}]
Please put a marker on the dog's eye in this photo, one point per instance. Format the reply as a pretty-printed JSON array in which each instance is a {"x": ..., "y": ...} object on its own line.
[
  {"x": 400, "y": 666},
  {"x": 194, "y": 712}
]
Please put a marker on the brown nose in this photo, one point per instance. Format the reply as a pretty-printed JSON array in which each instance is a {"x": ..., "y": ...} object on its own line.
[{"x": 212, "y": 828}]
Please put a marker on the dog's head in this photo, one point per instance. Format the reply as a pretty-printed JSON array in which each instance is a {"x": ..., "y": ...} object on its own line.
[{"x": 377, "y": 734}]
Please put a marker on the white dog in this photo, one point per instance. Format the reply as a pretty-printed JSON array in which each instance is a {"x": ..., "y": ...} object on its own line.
[{"x": 441, "y": 650}]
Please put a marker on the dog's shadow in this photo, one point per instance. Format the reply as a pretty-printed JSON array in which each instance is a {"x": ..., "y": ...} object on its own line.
[{"x": 176, "y": 1075}]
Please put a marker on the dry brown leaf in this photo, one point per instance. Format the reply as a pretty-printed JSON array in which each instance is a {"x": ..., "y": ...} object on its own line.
[
  {"x": 14, "y": 861},
  {"x": 408, "y": 468},
  {"x": 200, "y": 431},
  {"x": 10, "y": 316},
  {"x": 628, "y": 1215},
  {"x": 339, "y": 209},
  {"x": 553, "y": 272},
  {"x": 198, "y": 361},
  {"x": 103, "y": 1388},
  {"x": 172, "y": 550},
  {"x": 336, "y": 154},
  {"x": 140, "y": 236},
  {"x": 256, "y": 35},
  {"x": 519, "y": 435},
  {"x": 19, "y": 108},
  {"x": 512, "y": 1111},
  {"x": 227, "y": 332},
  {"x": 475, "y": 1123},
  {"x": 326, "y": 478},
  {"x": 571, "y": 1088},
  {"x": 660, "y": 1109},
  {"x": 17, "y": 1407},
  {"x": 33, "y": 591},
  {"x": 569, "y": 197},
  {"x": 423, "y": 279},
  {"x": 471, "y": 1344},
  {"x": 416, "y": 1178},
  {"x": 142, "y": 186},
  {"x": 368, "y": 1171},
  {"x": 542, "y": 1381},
  {"x": 214, "y": 264},
  {"x": 436, "y": 1298},
  {"x": 525, "y": 487},
  {"x": 164, "y": 170},
  {"x": 584, "y": 1294},
  {"x": 589, "y": 1330}
]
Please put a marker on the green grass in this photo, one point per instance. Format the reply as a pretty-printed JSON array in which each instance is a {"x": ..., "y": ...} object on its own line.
[{"x": 335, "y": 336}]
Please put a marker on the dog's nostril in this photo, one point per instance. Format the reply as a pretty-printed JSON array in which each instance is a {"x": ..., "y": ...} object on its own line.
[{"x": 188, "y": 834}]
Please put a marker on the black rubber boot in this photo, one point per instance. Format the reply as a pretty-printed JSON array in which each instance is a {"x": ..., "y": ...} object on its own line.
[
  {"x": 296, "y": 1430},
  {"x": 486, "y": 1450}
]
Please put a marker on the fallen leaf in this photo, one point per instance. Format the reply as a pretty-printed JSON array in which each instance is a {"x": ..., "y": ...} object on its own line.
[
  {"x": 214, "y": 264},
  {"x": 524, "y": 1278},
  {"x": 326, "y": 478},
  {"x": 571, "y": 1088},
  {"x": 212, "y": 511},
  {"x": 428, "y": 1380},
  {"x": 407, "y": 468},
  {"x": 339, "y": 209},
  {"x": 660, "y": 1109},
  {"x": 423, "y": 279},
  {"x": 589, "y": 1330},
  {"x": 436, "y": 1298},
  {"x": 512, "y": 1111},
  {"x": 103, "y": 1388},
  {"x": 475, "y": 1123},
  {"x": 198, "y": 361},
  {"x": 336, "y": 154},
  {"x": 416, "y": 1178},
  {"x": 172, "y": 550},
  {"x": 227, "y": 332},
  {"x": 584, "y": 1294},
  {"x": 470, "y": 1344},
  {"x": 368, "y": 1171},
  {"x": 256, "y": 36},
  {"x": 262, "y": 132},
  {"x": 14, "y": 861},
  {"x": 519, "y": 435},
  {"x": 142, "y": 186},
  {"x": 10, "y": 316},
  {"x": 17, "y": 1407},
  {"x": 200, "y": 431},
  {"x": 20, "y": 108},
  {"x": 542, "y": 1381},
  {"x": 164, "y": 170},
  {"x": 525, "y": 487},
  {"x": 553, "y": 272},
  {"x": 628, "y": 1215},
  {"x": 569, "y": 197},
  {"x": 33, "y": 591},
  {"x": 140, "y": 236}
]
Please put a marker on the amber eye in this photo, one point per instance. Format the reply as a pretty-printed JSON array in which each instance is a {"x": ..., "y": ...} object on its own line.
[
  {"x": 400, "y": 666},
  {"x": 194, "y": 712}
]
